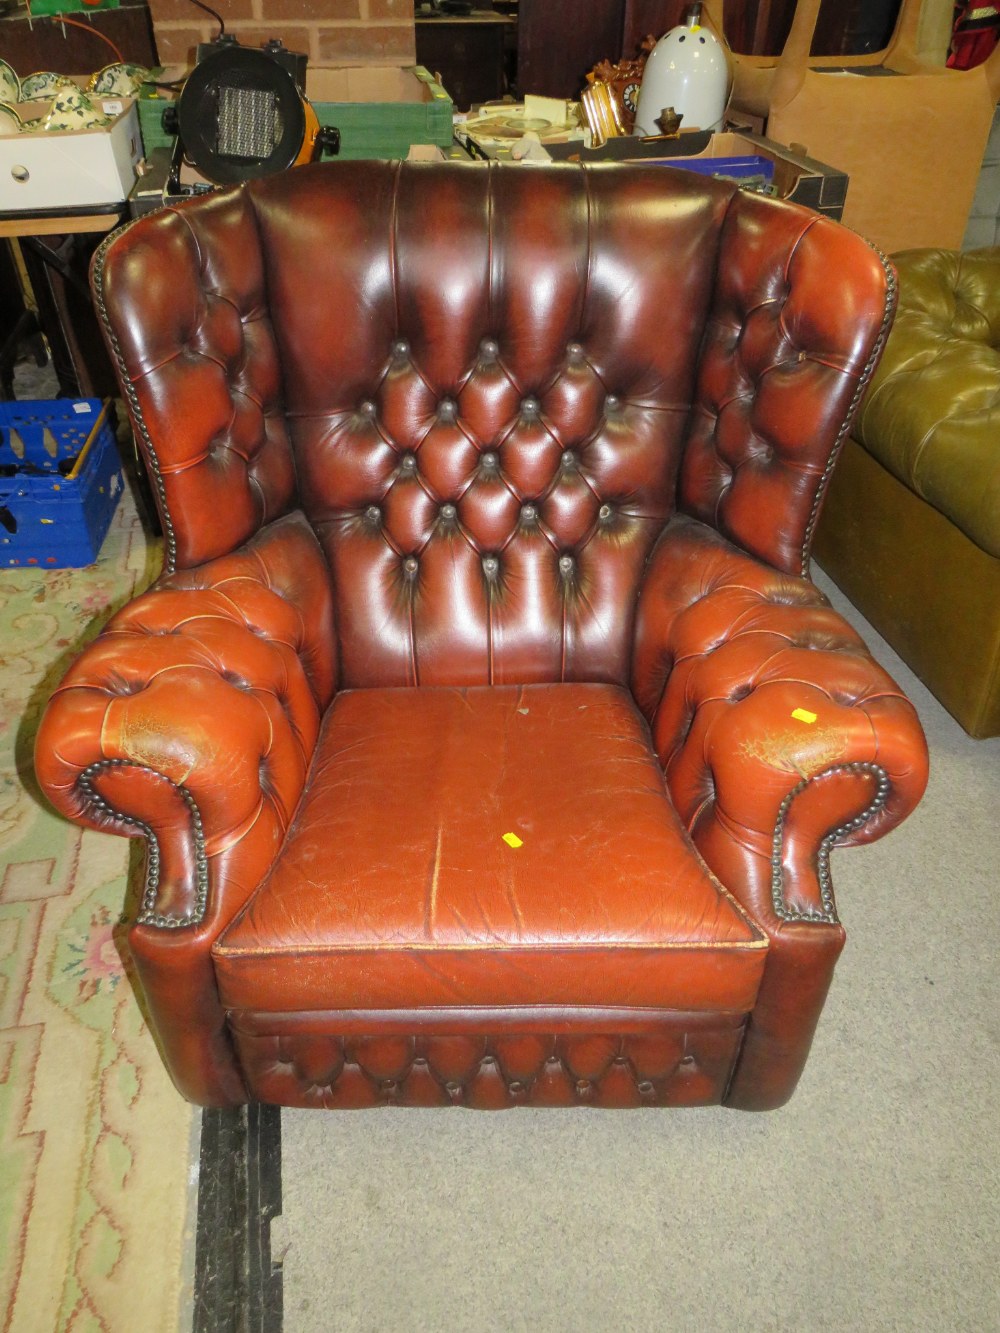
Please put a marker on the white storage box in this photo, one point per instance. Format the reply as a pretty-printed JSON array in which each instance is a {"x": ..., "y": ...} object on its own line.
[{"x": 88, "y": 168}]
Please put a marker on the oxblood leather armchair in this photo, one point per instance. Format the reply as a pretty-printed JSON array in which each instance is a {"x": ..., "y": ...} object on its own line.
[{"x": 488, "y": 740}]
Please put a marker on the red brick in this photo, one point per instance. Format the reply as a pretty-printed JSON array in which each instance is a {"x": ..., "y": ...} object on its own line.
[
  {"x": 372, "y": 44},
  {"x": 175, "y": 43},
  {"x": 182, "y": 11},
  {"x": 389, "y": 9},
  {"x": 297, "y": 37},
  {"x": 330, "y": 11}
]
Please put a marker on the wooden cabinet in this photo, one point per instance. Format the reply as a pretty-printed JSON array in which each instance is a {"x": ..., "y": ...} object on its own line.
[
  {"x": 468, "y": 53},
  {"x": 557, "y": 43}
]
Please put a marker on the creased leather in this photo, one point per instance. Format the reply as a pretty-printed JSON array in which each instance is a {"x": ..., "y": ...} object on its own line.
[
  {"x": 601, "y": 901},
  {"x": 727, "y": 653}
]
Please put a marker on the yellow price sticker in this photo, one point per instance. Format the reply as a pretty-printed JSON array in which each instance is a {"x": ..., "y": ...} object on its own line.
[
  {"x": 512, "y": 840},
  {"x": 804, "y": 715}
]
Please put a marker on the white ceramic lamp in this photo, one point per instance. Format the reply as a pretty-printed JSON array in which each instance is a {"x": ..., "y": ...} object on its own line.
[{"x": 686, "y": 69}]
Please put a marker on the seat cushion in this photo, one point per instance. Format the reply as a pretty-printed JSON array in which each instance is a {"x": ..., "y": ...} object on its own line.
[{"x": 488, "y": 847}]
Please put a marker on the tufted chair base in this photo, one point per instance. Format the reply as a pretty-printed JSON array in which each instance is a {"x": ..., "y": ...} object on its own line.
[
  {"x": 611, "y": 1060},
  {"x": 537, "y": 930}
]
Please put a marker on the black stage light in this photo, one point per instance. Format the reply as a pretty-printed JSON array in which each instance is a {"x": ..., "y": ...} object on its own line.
[{"x": 242, "y": 112}]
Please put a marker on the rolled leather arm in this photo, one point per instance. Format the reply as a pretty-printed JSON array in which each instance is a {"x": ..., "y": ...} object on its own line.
[
  {"x": 778, "y": 732},
  {"x": 191, "y": 722},
  {"x": 780, "y": 738},
  {"x": 191, "y": 731}
]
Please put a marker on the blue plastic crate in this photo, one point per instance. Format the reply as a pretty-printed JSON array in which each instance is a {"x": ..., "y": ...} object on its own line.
[
  {"x": 753, "y": 167},
  {"x": 60, "y": 481}
]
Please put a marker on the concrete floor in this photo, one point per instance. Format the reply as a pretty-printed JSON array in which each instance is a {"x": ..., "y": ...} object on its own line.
[{"x": 870, "y": 1202}]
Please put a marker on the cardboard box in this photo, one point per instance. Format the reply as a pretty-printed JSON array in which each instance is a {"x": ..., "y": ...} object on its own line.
[
  {"x": 913, "y": 144},
  {"x": 499, "y": 131},
  {"x": 381, "y": 110},
  {"x": 60, "y": 481},
  {"x": 911, "y": 134},
  {"x": 796, "y": 177},
  {"x": 70, "y": 169},
  {"x": 430, "y": 152}
]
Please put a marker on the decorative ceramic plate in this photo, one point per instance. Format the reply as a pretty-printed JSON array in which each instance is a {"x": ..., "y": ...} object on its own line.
[
  {"x": 119, "y": 80},
  {"x": 10, "y": 121},
  {"x": 510, "y": 128},
  {"x": 72, "y": 109},
  {"x": 10, "y": 84},
  {"x": 43, "y": 83}
]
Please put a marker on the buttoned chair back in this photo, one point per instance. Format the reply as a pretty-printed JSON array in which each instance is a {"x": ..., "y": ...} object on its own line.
[{"x": 489, "y": 390}]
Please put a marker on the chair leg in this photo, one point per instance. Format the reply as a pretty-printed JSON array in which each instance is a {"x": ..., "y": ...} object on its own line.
[{"x": 238, "y": 1287}]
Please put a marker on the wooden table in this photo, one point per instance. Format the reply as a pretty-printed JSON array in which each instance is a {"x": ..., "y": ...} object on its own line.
[
  {"x": 40, "y": 224},
  {"x": 51, "y": 251}
]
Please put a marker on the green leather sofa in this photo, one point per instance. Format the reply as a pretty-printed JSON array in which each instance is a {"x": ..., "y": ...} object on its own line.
[{"x": 911, "y": 525}]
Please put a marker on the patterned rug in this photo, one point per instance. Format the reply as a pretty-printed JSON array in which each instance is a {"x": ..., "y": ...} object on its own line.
[{"x": 95, "y": 1144}]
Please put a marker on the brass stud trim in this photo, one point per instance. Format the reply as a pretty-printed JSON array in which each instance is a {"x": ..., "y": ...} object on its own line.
[
  {"x": 891, "y": 298},
  {"x": 827, "y": 912},
  {"x": 148, "y": 914}
]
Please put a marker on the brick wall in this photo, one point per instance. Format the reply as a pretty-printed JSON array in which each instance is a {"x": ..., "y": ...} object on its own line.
[{"x": 330, "y": 32}]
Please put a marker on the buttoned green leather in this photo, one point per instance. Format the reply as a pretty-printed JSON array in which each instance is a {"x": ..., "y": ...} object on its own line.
[{"x": 932, "y": 413}]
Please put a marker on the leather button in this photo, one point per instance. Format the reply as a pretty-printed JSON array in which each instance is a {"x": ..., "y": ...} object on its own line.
[
  {"x": 489, "y": 461},
  {"x": 604, "y": 513},
  {"x": 448, "y": 512},
  {"x": 566, "y": 564},
  {"x": 612, "y": 403},
  {"x": 127, "y": 687},
  {"x": 528, "y": 513},
  {"x": 530, "y": 407},
  {"x": 373, "y": 515},
  {"x": 515, "y": 1086},
  {"x": 410, "y": 565},
  {"x": 447, "y": 409},
  {"x": 583, "y": 1085},
  {"x": 568, "y": 459},
  {"x": 491, "y": 566},
  {"x": 367, "y": 408},
  {"x": 646, "y": 1087},
  {"x": 575, "y": 353},
  {"x": 400, "y": 348},
  {"x": 408, "y": 463},
  {"x": 489, "y": 349}
]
